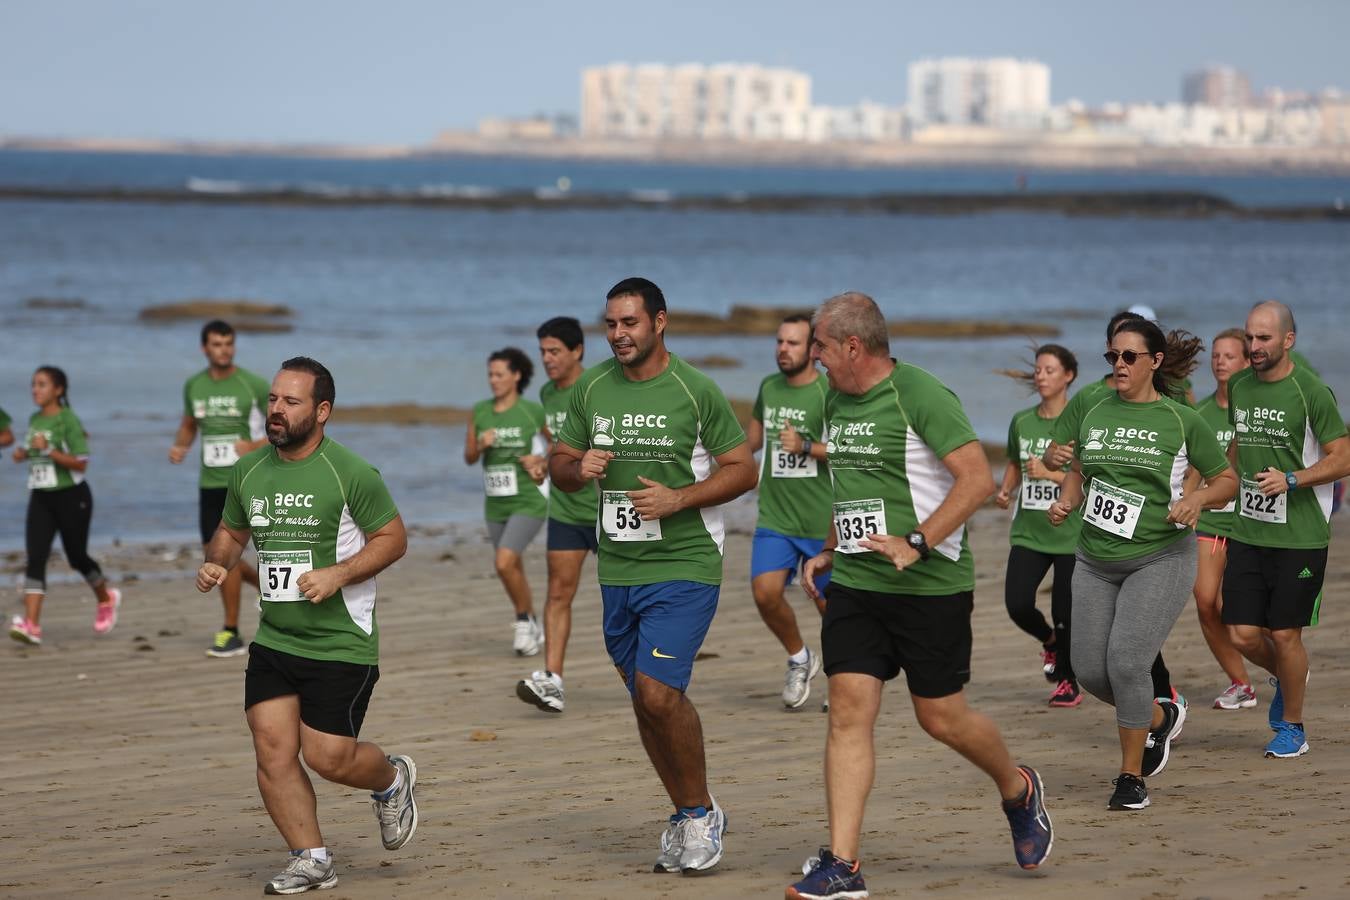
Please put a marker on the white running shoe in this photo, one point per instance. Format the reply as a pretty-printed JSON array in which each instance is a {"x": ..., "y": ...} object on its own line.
[
  {"x": 304, "y": 874},
  {"x": 398, "y": 814},
  {"x": 1238, "y": 696},
  {"x": 797, "y": 681},
  {"x": 703, "y": 840},
  {"x": 529, "y": 637},
  {"x": 543, "y": 689}
]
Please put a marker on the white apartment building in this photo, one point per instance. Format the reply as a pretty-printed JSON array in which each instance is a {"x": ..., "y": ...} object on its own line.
[
  {"x": 998, "y": 93},
  {"x": 728, "y": 101}
]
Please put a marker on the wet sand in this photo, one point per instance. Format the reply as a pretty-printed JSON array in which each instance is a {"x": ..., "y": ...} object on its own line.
[{"x": 130, "y": 772}]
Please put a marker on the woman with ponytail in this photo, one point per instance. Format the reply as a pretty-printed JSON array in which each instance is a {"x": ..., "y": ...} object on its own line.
[
  {"x": 1136, "y": 553},
  {"x": 59, "y": 501}
]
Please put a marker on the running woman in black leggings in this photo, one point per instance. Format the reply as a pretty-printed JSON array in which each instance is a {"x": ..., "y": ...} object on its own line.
[
  {"x": 1036, "y": 545},
  {"x": 59, "y": 501}
]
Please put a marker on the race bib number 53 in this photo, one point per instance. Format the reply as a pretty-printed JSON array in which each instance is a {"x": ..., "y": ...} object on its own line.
[
  {"x": 278, "y": 572},
  {"x": 1112, "y": 509},
  {"x": 622, "y": 522},
  {"x": 854, "y": 520}
]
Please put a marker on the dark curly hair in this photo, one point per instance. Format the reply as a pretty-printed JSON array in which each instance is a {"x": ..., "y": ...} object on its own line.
[{"x": 517, "y": 362}]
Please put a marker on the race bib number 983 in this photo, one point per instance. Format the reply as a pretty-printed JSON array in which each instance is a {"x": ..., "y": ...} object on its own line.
[{"x": 1112, "y": 509}]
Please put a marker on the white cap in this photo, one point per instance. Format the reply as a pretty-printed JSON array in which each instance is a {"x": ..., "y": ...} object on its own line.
[{"x": 1140, "y": 309}]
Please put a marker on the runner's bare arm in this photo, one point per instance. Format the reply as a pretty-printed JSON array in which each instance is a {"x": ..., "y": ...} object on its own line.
[
  {"x": 1334, "y": 466},
  {"x": 383, "y": 548},
  {"x": 1214, "y": 495},
  {"x": 6, "y": 437},
  {"x": 182, "y": 440},
  {"x": 222, "y": 555},
  {"x": 571, "y": 469},
  {"x": 1070, "y": 497},
  {"x": 736, "y": 473},
  {"x": 818, "y": 564},
  {"x": 754, "y": 435},
  {"x": 1012, "y": 476},
  {"x": 471, "y": 449},
  {"x": 1057, "y": 456}
]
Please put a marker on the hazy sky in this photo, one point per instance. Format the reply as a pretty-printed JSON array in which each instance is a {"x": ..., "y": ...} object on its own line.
[{"x": 401, "y": 70}]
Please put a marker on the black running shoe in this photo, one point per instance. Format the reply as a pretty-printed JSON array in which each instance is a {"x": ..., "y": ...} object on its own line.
[
  {"x": 1158, "y": 745},
  {"x": 1131, "y": 793}
]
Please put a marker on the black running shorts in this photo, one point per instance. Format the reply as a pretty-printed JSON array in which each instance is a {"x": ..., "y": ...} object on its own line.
[
  {"x": 333, "y": 695},
  {"x": 210, "y": 507},
  {"x": 880, "y": 634},
  {"x": 1272, "y": 587}
]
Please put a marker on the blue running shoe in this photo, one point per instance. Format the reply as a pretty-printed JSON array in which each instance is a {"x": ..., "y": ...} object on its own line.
[
  {"x": 1032, "y": 832},
  {"x": 828, "y": 878},
  {"x": 1276, "y": 711},
  {"x": 1289, "y": 742}
]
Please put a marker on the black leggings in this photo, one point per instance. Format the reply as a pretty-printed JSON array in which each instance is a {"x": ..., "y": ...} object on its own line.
[
  {"x": 1026, "y": 568},
  {"x": 67, "y": 511}
]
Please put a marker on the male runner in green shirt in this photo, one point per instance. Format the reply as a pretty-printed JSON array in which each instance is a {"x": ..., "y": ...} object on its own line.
[
  {"x": 908, "y": 473},
  {"x": 324, "y": 526},
  {"x": 647, "y": 427},
  {"x": 788, "y": 419},
  {"x": 227, "y": 405},
  {"x": 571, "y": 517},
  {"x": 1289, "y": 449}
]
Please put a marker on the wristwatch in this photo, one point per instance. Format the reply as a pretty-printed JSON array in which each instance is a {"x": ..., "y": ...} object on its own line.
[
  {"x": 806, "y": 446},
  {"x": 916, "y": 540},
  {"x": 1290, "y": 480}
]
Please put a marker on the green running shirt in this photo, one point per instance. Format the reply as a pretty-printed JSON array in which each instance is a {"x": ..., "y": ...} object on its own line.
[
  {"x": 577, "y": 508},
  {"x": 1217, "y": 521},
  {"x": 63, "y": 432},
  {"x": 229, "y": 410},
  {"x": 1134, "y": 458},
  {"x": 508, "y": 490},
  {"x": 668, "y": 429},
  {"x": 1282, "y": 425},
  {"x": 886, "y": 448},
  {"x": 303, "y": 515},
  {"x": 794, "y": 488},
  {"x": 1028, "y": 437}
]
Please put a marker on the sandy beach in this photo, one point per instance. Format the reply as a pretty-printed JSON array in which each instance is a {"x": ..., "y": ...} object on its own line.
[{"x": 130, "y": 770}]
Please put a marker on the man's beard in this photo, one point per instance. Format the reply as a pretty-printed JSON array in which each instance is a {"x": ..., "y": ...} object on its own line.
[
  {"x": 793, "y": 371},
  {"x": 288, "y": 438}
]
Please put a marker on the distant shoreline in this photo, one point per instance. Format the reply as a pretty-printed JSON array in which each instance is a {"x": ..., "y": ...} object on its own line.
[{"x": 1053, "y": 152}]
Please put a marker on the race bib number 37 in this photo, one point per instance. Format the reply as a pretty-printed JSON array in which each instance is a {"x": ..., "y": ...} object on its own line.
[
  {"x": 218, "y": 451},
  {"x": 278, "y": 572},
  {"x": 1256, "y": 505},
  {"x": 1112, "y": 509},
  {"x": 622, "y": 522},
  {"x": 854, "y": 520}
]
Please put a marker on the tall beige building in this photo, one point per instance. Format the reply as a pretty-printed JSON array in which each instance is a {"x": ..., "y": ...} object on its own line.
[
  {"x": 1221, "y": 87},
  {"x": 999, "y": 93},
  {"x": 727, "y": 101}
]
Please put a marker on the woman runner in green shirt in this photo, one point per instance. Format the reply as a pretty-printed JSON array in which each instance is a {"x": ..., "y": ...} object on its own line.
[
  {"x": 1228, "y": 356},
  {"x": 1037, "y": 546},
  {"x": 1136, "y": 550},
  {"x": 57, "y": 453},
  {"x": 508, "y": 433}
]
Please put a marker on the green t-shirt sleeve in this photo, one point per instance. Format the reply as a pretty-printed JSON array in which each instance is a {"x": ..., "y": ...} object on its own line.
[
  {"x": 1323, "y": 416},
  {"x": 1013, "y": 451},
  {"x": 719, "y": 429},
  {"x": 233, "y": 512},
  {"x": 5, "y": 420},
  {"x": 260, "y": 389},
  {"x": 1205, "y": 453},
  {"x": 76, "y": 440},
  {"x": 941, "y": 422},
  {"x": 369, "y": 500},
  {"x": 187, "y": 399},
  {"x": 1065, "y": 428},
  {"x": 574, "y": 431},
  {"x": 478, "y": 419}
]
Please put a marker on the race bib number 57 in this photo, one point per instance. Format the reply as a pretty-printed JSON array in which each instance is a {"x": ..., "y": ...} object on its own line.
[
  {"x": 278, "y": 572},
  {"x": 854, "y": 520}
]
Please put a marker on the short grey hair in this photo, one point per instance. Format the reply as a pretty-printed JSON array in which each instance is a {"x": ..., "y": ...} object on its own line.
[{"x": 854, "y": 314}]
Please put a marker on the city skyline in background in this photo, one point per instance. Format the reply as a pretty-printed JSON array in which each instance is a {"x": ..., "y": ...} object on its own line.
[{"x": 331, "y": 72}]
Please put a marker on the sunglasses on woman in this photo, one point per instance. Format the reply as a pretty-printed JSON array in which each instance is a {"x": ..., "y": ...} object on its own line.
[{"x": 1130, "y": 356}]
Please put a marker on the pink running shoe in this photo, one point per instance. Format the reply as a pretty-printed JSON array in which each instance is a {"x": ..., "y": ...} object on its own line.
[
  {"x": 1066, "y": 694},
  {"x": 105, "y": 616},
  {"x": 24, "y": 631},
  {"x": 1048, "y": 663}
]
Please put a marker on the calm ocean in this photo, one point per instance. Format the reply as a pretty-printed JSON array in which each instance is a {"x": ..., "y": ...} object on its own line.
[{"x": 404, "y": 304}]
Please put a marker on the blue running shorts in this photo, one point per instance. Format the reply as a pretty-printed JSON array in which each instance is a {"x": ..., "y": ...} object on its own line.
[
  {"x": 772, "y": 551},
  {"x": 656, "y": 629}
]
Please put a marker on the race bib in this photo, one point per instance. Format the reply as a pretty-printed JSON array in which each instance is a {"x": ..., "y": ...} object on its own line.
[
  {"x": 1256, "y": 505},
  {"x": 1112, "y": 509},
  {"x": 1039, "y": 493},
  {"x": 499, "y": 481},
  {"x": 854, "y": 520},
  {"x": 622, "y": 522},
  {"x": 41, "y": 474},
  {"x": 278, "y": 571},
  {"x": 218, "y": 451},
  {"x": 783, "y": 464}
]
